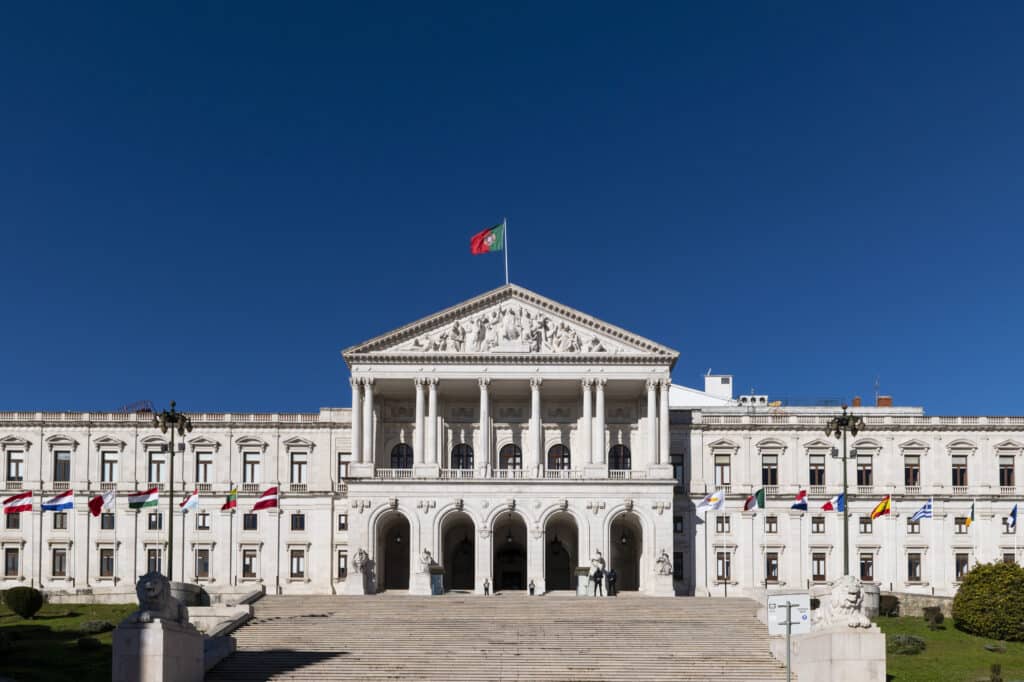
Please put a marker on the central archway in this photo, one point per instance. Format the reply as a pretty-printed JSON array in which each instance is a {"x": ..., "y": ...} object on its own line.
[
  {"x": 458, "y": 551},
  {"x": 561, "y": 552},
  {"x": 393, "y": 539},
  {"x": 626, "y": 547},
  {"x": 509, "y": 552}
]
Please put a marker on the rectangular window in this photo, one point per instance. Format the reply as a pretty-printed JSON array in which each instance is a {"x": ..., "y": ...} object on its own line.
[
  {"x": 204, "y": 467},
  {"x": 203, "y": 520},
  {"x": 298, "y": 522},
  {"x": 249, "y": 521},
  {"x": 251, "y": 467},
  {"x": 15, "y": 465},
  {"x": 299, "y": 467},
  {"x": 961, "y": 563},
  {"x": 298, "y": 563},
  {"x": 342, "y": 466},
  {"x": 60, "y": 520},
  {"x": 818, "y": 574},
  {"x": 157, "y": 466},
  {"x": 913, "y": 527},
  {"x": 677, "y": 565},
  {"x": 817, "y": 469},
  {"x": 678, "y": 471},
  {"x": 961, "y": 525},
  {"x": 342, "y": 521},
  {"x": 722, "y": 524},
  {"x": 62, "y": 466},
  {"x": 912, "y": 470},
  {"x": 13, "y": 521},
  {"x": 723, "y": 567},
  {"x": 202, "y": 563},
  {"x": 914, "y": 567},
  {"x": 1006, "y": 476},
  {"x": 108, "y": 466},
  {"x": 107, "y": 563},
  {"x": 153, "y": 561},
  {"x": 771, "y": 524},
  {"x": 771, "y": 567},
  {"x": 106, "y": 521},
  {"x": 156, "y": 521},
  {"x": 11, "y": 562},
  {"x": 959, "y": 469},
  {"x": 723, "y": 470},
  {"x": 867, "y": 567},
  {"x": 1008, "y": 527},
  {"x": 342, "y": 564},
  {"x": 59, "y": 562},
  {"x": 769, "y": 469},
  {"x": 864, "y": 474},
  {"x": 865, "y": 525},
  {"x": 817, "y": 524},
  {"x": 677, "y": 524},
  {"x": 1008, "y": 558},
  {"x": 248, "y": 563}
]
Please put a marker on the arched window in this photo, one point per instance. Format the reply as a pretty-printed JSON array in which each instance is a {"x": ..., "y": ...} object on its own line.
[
  {"x": 510, "y": 457},
  {"x": 558, "y": 458},
  {"x": 619, "y": 458},
  {"x": 462, "y": 456},
  {"x": 401, "y": 456}
]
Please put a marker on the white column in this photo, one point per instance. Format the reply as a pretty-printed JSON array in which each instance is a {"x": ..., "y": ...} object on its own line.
[
  {"x": 432, "y": 421},
  {"x": 536, "y": 432},
  {"x": 586, "y": 439},
  {"x": 485, "y": 420},
  {"x": 599, "y": 448},
  {"x": 652, "y": 422},
  {"x": 418, "y": 436},
  {"x": 664, "y": 442},
  {"x": 368, "y": 452},
  {"x": 357, "y": 420}
]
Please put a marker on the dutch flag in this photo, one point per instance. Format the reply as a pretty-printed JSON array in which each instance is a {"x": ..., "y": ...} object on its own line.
[{"x": 66, "y": 500}]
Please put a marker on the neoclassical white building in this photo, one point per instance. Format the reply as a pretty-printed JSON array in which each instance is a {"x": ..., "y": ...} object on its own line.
[{"x": 513, "y": 438}]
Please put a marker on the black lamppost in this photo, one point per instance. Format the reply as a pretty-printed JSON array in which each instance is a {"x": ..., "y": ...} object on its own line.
[
  {"x": 172, "y": 421},
  {"x": 838, "y": 427}
]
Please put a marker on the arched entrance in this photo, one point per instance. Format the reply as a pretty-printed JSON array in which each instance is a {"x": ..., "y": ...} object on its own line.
[
  {"x": 509, "y": 552},
  {"x": 561, "y": 552},
  {"x": 626, "y": 546},
  {"x": 393, "y": 540},
  {"x": 458, "y": 551}
]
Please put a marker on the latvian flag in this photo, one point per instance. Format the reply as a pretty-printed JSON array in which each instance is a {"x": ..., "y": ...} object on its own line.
[
  {"x": 267, "y": 500},
  {"x": 66, "y": 500},
  {"x": 144, "y": 498},
  {"x": 801, "y": 501},
  {"x": 836, "y": 504},
  {"x": 22, "y": 502}
]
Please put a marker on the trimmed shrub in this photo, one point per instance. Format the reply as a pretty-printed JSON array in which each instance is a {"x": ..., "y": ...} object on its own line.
[
  {"x": 905, "y": 645},
  {"x": 934, "y": 617},
  {"x": 95, "y": 627},
  {"x": 888, "y": 605},
  {"x": 88, "y": 643},
  {"x": 990, "y": 602},
  {"x": 24, "y": 601}
]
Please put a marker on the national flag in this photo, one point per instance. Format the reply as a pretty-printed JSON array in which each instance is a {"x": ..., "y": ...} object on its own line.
[
  {"x": 1013, "y": 519},
  {"x": 66, "y": 500},
  {"x": 970, "y": 519},
  {"x": 15, "y": 504},
  {"x": 925, "y": 512},
  {"x": 144, "y": 498},
  {"x": 712, "y": 502},
  {"x": 267, "y": 500},
  {"x": 755, "y": 500},
  {"x": 882, "y": 508},
  {"x": 491, "y": 239},
  {"x": 190, "y": 502},
  {"x": 836, "y": 504},
  {"x": 101, "y": 502},
  {"x": 232, "y": 500},
  {"x": 801, "y": 501}
]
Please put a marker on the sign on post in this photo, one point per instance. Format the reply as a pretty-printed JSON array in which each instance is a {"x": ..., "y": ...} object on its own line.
[{"x": 800, "y": 613}]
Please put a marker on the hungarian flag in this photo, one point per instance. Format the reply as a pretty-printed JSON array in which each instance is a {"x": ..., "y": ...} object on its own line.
[
  {"x": 15, "y": 504},
  {"x": 66, "y": 500},
  {"x": 754, "y": 501},
  {"x": 144, "y": 498},
  {"x": 801, "y": 501},
  {"x": 101, "y": 502},
  {"x": 882, "y": 508},
  {"x": 267, "y": 500},
  {"x": 190, "y": 502},
  {"x": 232, "y": 500},
  {"x": 491, "y": 239},
  {"x": 836, "y": 504}
]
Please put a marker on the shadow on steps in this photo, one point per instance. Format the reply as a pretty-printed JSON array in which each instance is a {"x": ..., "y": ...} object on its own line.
[{"x": 263, "y": 665}]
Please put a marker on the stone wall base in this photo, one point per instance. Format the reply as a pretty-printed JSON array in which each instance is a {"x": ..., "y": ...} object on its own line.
[
  {"x": 839, "y": 654},
  {"x": 161, "y": 651}
]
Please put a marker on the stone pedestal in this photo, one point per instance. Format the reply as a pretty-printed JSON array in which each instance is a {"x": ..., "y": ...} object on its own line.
[
  {"x": 840, "y": 654},
  {"x": 661, "y": 586},
  {"x": 360, "y": 470},
  {"x": 161, "y": 651},
  {"x": 582, "y": 584},
  {"x": 419, "y": 583},
  {"x": 357, "y": 583},
  {"x": 426, "y": 471}
]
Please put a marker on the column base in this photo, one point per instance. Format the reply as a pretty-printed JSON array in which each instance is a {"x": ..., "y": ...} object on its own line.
[
  {"x": 360, "y": 470},
  {"x": 357, "y": 584},
  {"x": 660, "y": 472},
  {"x": 595, "y": 471},
  {"x": 426, "y": 471},
  {"x": 662, "y": 586}
]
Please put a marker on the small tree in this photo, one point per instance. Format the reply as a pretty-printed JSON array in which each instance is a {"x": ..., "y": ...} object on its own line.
[
  {"x": 24, "y": 601},
  {"x": 990, "y": 602}
]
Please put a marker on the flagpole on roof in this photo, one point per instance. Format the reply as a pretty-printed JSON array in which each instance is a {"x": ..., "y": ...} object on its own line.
[{"x": 504, "y": 236}]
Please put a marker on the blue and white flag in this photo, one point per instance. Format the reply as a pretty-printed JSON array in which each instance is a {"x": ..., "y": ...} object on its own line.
[
  {"x": 924, "y": 512},
  {"x": 1013, "y": 519},
  {"x": 66, "y": 500}
]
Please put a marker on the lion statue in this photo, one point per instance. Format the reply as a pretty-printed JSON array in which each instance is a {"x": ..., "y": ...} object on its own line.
[
  {"x": 156, "y": 602},
  {"x": 842, "y": 606}
]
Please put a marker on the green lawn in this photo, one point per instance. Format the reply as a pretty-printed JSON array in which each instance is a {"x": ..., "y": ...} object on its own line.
[
  {"x": 951, "y": 655},
  {"x": 45, "y": 648}
]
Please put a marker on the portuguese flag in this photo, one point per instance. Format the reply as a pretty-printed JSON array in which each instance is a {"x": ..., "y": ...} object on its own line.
[
  {"x": 232, "y": 500},
  {"x": 491, "y": 239}
]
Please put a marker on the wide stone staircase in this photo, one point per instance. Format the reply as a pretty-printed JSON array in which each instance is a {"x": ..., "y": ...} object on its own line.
[{"x": 466, "y": 637}]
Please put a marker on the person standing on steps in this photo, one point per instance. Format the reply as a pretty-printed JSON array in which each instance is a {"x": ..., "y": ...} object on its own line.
[{"x": 610, "y": 588}]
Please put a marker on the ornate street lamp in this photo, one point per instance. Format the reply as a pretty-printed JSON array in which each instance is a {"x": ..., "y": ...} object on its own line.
[
  {"x": 172, "y": 421},
  {"x": 838, "y": 427}
]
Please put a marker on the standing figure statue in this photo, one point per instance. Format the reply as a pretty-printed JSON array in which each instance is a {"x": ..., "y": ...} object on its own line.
[
  {"x": 360, "y": 561},
  {"x": 597, "y": 572},
  {"x": 425, "y": 561},
  {"x": 664, "y": 563}
]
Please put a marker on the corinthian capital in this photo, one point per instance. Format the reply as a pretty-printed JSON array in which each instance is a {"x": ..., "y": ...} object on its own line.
[
  {"x": 535, "y": 382},
  {"x": 483, "y": 382},
  {"x": 587, "y": 383},
  {"x": 355, "y": 382},
  {"x": 652, "y": 384}
]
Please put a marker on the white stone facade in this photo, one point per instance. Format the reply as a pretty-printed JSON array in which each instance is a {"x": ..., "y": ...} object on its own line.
[{"x": 512, "y": 438}]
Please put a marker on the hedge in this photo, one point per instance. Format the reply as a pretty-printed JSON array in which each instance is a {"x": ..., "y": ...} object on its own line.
[{"x": 990, "y": 602}]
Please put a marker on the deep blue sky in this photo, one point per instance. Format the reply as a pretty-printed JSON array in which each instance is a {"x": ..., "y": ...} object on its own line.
[{"x": 208, "y": 203}]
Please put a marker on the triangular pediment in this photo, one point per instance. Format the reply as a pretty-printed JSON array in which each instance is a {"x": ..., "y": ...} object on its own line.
[{"x": 509, "y": 322}]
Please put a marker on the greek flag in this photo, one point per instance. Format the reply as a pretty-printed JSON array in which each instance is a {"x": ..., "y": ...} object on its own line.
[{"x": 924, "y": 512}]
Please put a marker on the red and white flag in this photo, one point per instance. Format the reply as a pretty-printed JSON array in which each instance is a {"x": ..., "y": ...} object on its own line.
[
  {"x": 267, "y": 500},
  {"x": 15, "y": 504},
  {"x": 102, "y": 502}
]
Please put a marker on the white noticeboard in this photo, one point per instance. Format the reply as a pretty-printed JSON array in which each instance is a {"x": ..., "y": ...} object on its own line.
[{"x": 800, "y": 613}]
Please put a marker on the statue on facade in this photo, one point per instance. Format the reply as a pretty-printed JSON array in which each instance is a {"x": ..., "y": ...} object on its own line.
[
  {"x": 425, "y": 561},
  {"x": 664, "y": 563},
  {"x": 156, "y": 602},
  {"x": 456, "y": 338},
  {"x": 360, "y": 561},
  {"x": 843, "y": 605},
  {"x": 596, "y": 572}
]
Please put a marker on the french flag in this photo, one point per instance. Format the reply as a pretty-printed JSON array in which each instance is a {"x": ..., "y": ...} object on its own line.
[
  {"x": 837, "y": 504},
  {"x": 66, "y": 500},
  {"x": 801, "y": 501},
  {"x": 15, "y": 504}
]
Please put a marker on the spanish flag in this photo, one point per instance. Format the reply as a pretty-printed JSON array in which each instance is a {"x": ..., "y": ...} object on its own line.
[{"x": 882, "y": 508}]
